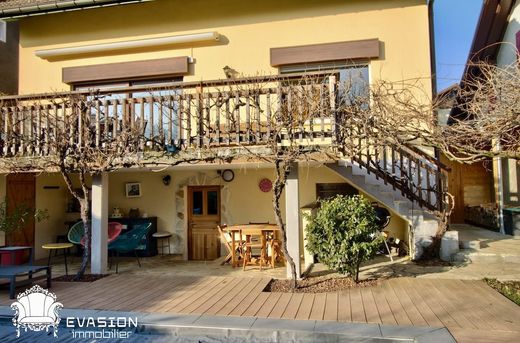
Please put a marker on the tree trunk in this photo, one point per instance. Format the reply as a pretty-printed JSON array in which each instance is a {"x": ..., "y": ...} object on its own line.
[
  {"x": 282, "y": 170},
  {"x": 85, "y": 206}
]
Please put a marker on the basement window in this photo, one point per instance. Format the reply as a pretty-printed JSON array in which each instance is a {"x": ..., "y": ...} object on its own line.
[{"x": 329, "y": 190}]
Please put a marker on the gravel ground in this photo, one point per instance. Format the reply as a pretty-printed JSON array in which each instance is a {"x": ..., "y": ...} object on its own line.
[{"x": 318, "y": 284}]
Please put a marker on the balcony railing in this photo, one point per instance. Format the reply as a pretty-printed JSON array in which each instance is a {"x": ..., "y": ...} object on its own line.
[
  {"x": 297, "y": 109},
  {"x": 170, "y": 117}
]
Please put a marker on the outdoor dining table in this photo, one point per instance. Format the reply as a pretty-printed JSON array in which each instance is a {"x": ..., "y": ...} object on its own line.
[{"x": 261, "y": 230}]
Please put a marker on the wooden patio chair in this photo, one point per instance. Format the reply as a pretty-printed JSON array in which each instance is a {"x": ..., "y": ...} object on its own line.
[
  {"x": 225, "y": 237},
  {"x": 276, "y": 251},
  {"x": 254, "y": 242}
]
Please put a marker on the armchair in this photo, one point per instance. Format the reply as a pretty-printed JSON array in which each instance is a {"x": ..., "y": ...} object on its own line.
[
  {"x": 36, "y": 309},
  {"x": 130, "y": 242}
]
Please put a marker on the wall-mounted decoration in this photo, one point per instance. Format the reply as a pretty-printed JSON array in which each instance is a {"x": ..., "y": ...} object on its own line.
[
  {"x": 228, "y": 175},
  {"x": 133, "y": 190},
  {"x": 265, "y": 185},
  {"x": 116, "y": 213}
]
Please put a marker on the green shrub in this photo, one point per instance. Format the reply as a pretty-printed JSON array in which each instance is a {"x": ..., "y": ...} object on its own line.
[
  {"x": 16, "y": 219},
  {"x": 343, "y": 233}
]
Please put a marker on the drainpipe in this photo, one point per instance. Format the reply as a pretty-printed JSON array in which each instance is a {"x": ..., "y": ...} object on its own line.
[{"x": 433, "y": 57}]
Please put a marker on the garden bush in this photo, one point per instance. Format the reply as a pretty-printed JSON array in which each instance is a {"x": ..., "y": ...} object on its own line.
[{"x": 343, "y": 233}]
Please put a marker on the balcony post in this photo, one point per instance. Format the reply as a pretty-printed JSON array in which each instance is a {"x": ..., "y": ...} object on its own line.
[
  {"x": 332, "y": 104},
  {"x": 292, "y": 218},
  {"x": 99, "y": 245}
]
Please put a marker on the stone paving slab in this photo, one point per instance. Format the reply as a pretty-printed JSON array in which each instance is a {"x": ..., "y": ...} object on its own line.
[{"x": 257, "y": 329}]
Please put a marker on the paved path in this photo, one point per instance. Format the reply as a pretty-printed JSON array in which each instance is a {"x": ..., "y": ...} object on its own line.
[{"x": 471, "y": 310}]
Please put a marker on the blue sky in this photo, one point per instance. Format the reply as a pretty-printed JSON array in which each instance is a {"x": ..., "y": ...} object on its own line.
[{"x": 454, "y": 22}]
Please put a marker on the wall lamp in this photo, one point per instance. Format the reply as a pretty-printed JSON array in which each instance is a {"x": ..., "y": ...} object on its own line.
[{"x": 166, "y": 180}]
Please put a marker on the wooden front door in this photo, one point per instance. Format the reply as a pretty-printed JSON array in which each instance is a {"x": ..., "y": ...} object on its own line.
[
  {"x": 21, "y": 190},
  {"x": 203, "y": 218}
]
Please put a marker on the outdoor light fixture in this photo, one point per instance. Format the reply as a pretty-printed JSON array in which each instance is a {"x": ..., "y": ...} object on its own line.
[
  {"x": 166, "y": 180},
  {"x": 212, "y": 36}
]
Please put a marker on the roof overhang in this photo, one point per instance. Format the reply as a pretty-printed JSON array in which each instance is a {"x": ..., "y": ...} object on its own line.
[
  {"x": 17, "y": 12},
  {"x": 489, "y": 33}
]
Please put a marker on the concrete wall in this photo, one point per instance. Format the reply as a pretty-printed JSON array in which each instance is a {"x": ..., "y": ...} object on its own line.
[
  {"x": 9, "y": 60},
  {"x": 249, "y": 29},
  {"x": 508, "y": 54}
]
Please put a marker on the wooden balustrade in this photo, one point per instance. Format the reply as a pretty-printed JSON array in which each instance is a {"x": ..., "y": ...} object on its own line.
[
  {"x": 179, "y": 116},
  {"x": 419, "y": 176},
  {"x": 213, "y": 114}
]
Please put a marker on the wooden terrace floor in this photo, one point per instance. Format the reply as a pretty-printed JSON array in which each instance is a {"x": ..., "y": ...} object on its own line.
[{"x": 471, "y": 310}]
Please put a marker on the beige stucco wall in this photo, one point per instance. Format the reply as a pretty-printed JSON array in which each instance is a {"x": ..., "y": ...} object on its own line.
[
  {"x": 249, "y": 29},
  {"x": 242, "y": 200},
  {"x": 54, "y": 200}
]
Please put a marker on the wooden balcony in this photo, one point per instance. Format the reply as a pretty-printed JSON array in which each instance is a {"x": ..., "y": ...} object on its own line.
[
  {"x": 250, "y": 114},
  {"x": 172, "y": 117}
]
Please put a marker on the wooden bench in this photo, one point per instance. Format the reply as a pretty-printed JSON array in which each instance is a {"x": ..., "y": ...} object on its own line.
[{"x": 11, "y": 272}]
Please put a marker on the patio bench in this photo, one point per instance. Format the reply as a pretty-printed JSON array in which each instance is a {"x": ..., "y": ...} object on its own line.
[{"x": 11, "y": 272}]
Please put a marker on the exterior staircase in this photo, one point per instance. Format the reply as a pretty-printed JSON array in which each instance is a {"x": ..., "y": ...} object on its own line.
[
  {"x": 423, "y": 223},
  {"x": 408, "y": 181}
]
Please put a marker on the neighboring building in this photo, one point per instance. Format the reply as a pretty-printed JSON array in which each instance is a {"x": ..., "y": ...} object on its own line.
[
  {"x": 8, "y": 57},
  {"x": 484, "y": 187},
  {"x": 153, "y": 42}
]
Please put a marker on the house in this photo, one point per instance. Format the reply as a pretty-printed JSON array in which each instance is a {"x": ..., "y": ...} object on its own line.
[
  {"x": 123, "y": 50},
  {"x": 482, "y": 188}
]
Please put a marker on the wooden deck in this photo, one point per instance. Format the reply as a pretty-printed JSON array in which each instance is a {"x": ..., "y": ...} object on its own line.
[{"x": 471, "y": 310}]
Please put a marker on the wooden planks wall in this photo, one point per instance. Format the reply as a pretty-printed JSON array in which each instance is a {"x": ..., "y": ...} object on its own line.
[{"x": 470, "y": 184}]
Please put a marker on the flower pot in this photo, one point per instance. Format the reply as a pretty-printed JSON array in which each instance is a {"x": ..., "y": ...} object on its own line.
[{"x": 20, "y": 257}]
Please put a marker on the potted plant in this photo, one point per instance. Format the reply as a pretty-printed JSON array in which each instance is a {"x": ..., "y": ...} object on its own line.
[{"x": 15, "y": 220}]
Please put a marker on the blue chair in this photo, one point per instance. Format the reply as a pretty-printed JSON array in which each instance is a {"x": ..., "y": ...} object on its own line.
[{"x": 130, "y": 241}]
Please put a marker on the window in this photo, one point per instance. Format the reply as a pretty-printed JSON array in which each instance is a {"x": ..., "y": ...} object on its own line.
[
  {"x": 353, "y": 78},
  {"x": 163, "y": 108},
  {"x": 330, "y": 190}
]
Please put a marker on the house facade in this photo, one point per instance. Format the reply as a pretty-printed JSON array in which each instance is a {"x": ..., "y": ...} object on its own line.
[{"x": 124, "y": 51}]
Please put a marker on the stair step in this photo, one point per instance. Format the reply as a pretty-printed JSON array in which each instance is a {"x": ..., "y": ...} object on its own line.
[
  {"x": 475, "y": 244},
  {"x": 476, "y": 256}
]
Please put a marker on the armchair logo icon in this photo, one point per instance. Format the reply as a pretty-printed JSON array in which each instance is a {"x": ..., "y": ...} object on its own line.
[{"x": 36, "y": 309}]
